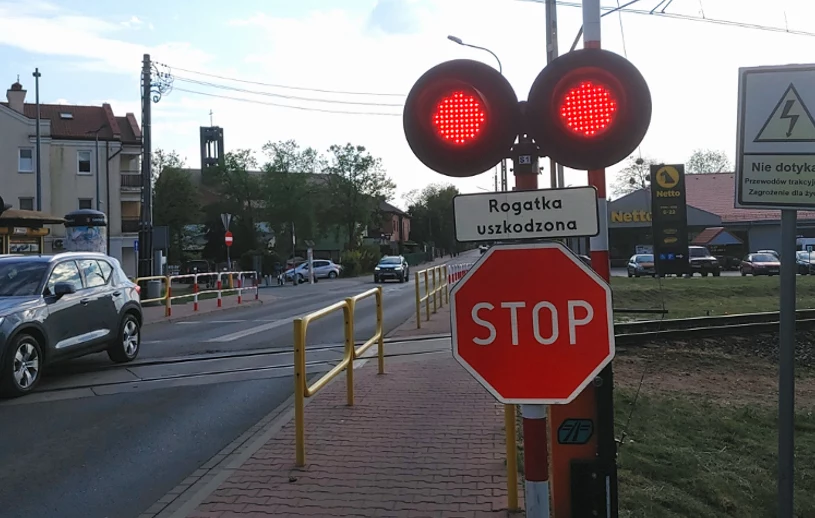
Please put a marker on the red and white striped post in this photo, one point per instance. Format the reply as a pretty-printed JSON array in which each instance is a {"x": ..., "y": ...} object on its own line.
[
  {"x": 169, "y": 306},
  {"x": 240, "y": 285},
  {"x": 257, "y": 286},
  {"x": 535, "y": 424},
  {"x": 218, "y": 287},
  {"x": 195, "y": 292}
]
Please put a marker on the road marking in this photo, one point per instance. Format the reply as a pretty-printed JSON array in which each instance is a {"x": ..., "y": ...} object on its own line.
[
  {"x": 226, "y": 321},
  {"x": 251, "y": 331},
  {"x": 189, "y": 322},
  {"x": 145, "y": 342}
]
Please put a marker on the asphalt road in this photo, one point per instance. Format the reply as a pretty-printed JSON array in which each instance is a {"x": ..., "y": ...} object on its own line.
[{"x": 114, "y": 453}]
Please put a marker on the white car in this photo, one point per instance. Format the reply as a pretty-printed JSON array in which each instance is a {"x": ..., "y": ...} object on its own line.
[{"x": 323, "y": 269}]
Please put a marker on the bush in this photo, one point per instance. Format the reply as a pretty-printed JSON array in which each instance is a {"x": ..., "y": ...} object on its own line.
[{"x": 359, "y": 261}]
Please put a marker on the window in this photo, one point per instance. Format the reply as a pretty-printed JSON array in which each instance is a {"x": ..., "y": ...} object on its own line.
[
  {"x": 83, "y": 162},
  {"x": 85, "y": 203},
  {"x": 94, "y": 277},
  {"x": 66, "y": 115},
  {"x": 26, "y": 203},
  {"x": 64, "y": 272},
  {"x": 26, "y": 160},
  {"x": 21, "y": 278},
  {"x": 107, "y": 269}
]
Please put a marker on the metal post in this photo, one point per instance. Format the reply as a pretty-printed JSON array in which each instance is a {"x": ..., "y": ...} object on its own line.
[
  {"x": 96, "y": 165},
  {"x": 38, "y": 137},
  {"x": 512, "y": 457},
  {"x": 503, "y": 175},
  {"x": 299, "y": 391},
  {"x": 786, "y": 373},
  {"x": 107, "y": 195}
]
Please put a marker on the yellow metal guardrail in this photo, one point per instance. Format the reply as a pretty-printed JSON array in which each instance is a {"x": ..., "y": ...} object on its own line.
[
  {"x": 165, "y": 288},
  {"x": 436, "y": 283},
  {"x": 301, "y": 388}
]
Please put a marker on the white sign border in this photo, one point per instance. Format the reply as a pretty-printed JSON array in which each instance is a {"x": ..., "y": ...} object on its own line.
[
  {"x": 740, "y": 140},
  {"x": 576, "y": 260}
]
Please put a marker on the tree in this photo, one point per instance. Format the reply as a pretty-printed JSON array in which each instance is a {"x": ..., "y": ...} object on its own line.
[
  {"x": 356, "y": 184},
  {"x": 238, "y": 185},
  {"x": 431, "y": 214},
  {"x": 177, "y": 204},
  {"x": 633, "y": 177},
  {"x": 706, "y": 161},
  {"x": 291, "y": 192},
  {"x": 163, "y": 159}
]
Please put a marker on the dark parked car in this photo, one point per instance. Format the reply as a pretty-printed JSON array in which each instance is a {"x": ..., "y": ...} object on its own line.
[
  {"x": 760, "y": 264},
  {"x": 701, "y": 261},
  {"x": 60, "y": 307},
  {"x": 392, "y": 267},
  {"x": 641, "y": 264},
  {"x": 805, "y": 261}
]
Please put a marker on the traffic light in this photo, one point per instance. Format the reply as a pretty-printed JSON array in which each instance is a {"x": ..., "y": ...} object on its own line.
[
  {"x": 587, "y": 109},
  {"x": 461, "y": 118}
]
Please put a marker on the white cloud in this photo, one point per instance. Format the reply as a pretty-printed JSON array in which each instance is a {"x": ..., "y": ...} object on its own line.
[{"x": 74, "y": 35}]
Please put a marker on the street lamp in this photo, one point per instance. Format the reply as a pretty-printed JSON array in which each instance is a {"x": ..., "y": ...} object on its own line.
[
  {"x": 455, "y": 39},
  {"x": 96, "y": 162}
]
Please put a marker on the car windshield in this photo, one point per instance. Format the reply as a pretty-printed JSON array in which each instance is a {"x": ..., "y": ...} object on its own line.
[
  {"x": 699, "y": 252},
  {"x": 390, "y": 260},
  {"x": 21, "y": 278},
  {"x": 764, "y": 258},
  {"x": 645, "y": 258},
  {"x": 804, "y": 255}
]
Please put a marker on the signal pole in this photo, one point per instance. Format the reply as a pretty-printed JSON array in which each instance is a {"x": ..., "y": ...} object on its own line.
[
  {"x": 592, "y": 468},
  {"x": 556, "y": 177},
  {"x": 525, "y": 157}
]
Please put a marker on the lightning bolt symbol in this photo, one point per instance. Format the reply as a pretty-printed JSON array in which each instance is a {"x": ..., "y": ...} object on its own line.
[{"x": 785, "y": 114}]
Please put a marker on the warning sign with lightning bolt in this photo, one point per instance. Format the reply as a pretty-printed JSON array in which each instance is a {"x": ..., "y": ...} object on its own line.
[{"x": 790, "y": 121}]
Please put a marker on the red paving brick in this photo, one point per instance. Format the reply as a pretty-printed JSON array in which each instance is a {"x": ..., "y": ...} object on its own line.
[{"x": 424, "y": 440}]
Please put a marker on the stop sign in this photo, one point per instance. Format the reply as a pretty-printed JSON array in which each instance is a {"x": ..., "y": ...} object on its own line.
[
  {"x": 532, "y": 323},
  {"x": 228, "y": 238}
]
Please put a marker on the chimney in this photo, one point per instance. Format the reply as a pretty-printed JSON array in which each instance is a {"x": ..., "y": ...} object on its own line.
[{"x": 16, "y": 97}]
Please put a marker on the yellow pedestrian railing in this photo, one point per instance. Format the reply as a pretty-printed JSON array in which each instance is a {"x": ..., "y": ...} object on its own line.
[
  {"x": 301, "y": 388},
  {"x": 164, "y": 290},
  {"x": 436, "y": 293}
]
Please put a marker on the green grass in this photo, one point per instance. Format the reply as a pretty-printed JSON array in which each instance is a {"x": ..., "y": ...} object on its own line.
[
  {"x": 699, "y": 296},
  {"x": 684, "y": 457}
]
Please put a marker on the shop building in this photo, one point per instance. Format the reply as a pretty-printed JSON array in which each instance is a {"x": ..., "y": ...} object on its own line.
[{"x": 711, "y": 200}]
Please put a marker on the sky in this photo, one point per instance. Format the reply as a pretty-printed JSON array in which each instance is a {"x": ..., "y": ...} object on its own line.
[{"x": 90, "y": 52}]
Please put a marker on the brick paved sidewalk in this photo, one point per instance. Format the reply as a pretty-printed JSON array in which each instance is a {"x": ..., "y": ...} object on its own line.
[{"x": 424, "y": 440}]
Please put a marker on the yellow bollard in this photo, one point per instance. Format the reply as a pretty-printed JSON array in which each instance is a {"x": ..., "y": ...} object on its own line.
[
  {"x": 512, "y": 457},
  {"x": 418, "y": 301}
]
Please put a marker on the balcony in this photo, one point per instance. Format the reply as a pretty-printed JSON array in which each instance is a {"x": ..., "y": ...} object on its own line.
[
  {"x": 131, "y": 182},
  {"x": 130, "y": 225}
]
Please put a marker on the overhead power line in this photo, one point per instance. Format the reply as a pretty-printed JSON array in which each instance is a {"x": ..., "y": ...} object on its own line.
[
  {"x": 281, "y": 96},
  {"x": 275, "y": 85},
  {"x": 293, "y": 107},
  {"x": 686, "y": 17}
]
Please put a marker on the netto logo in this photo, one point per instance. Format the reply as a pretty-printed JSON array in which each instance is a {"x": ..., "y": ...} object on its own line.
[{"x": 668, "y": 194}]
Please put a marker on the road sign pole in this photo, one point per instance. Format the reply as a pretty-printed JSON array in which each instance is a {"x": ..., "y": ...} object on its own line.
[
  {"x": 536, "y": 441},
  {"x": 570, "y": 482},
  {"x": 786, "y": 375}
]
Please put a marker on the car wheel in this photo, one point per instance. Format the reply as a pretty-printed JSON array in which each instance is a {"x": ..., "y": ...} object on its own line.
[
  {"x": 332, "y": 275},
  {"x": 717, "y": 273},
  {"x": 126, "y": 346},
  {"x": 300, "y": 279},
  {"x": 376, "y": 279},
  {"x": 704, "y": 274},
  {"x": 630, "y": 275},
  {"x": 22, "y": 368}
]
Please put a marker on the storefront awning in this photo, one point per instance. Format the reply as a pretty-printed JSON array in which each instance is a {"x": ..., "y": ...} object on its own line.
[
  {"x": 716, "y": 236},
  {"x": 28, "y": 218}
]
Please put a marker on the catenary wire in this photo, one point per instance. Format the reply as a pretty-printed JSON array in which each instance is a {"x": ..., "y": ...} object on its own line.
[
  {"x": 276, "y": 85},
  {"x": 280, "y": 96},
  {"x": 302, "y": 108},
  {"x": 646, "y": 12}
]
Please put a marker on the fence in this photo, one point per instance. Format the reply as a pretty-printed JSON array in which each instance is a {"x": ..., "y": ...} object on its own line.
[
  {"x": 301, "y": 388},
  {"x": 213, "y": 282},
  {"x": 435, "y": 290},
  {"x": 456, "y": 272}
]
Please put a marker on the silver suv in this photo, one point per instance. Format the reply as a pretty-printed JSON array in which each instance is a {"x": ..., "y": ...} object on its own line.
[{"x": 60, "y": 307}]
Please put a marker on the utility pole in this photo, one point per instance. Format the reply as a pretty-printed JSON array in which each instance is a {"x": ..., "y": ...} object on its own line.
[
  {"x": 556, "y": 177},
  {"x": 146, "y": 223},
  {"x": 38, "y": 144}
]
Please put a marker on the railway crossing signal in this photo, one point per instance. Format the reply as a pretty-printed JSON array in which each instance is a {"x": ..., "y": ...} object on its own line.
[{"x": 587, "y": 109}]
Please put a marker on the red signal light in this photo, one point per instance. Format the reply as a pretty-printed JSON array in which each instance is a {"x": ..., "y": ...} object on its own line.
[
  {"x": 589, "y": 109},
  {"x": 461, "y": 118}
]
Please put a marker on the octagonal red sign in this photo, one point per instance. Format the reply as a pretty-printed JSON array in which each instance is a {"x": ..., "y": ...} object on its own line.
[{"x": 532, "y": 323}]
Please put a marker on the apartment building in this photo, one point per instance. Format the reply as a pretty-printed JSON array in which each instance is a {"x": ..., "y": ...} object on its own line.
[{"x": 84, "y": 150}]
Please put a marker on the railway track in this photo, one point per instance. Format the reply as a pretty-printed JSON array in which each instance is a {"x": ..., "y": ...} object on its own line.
[{"x": 638, "y": 333}]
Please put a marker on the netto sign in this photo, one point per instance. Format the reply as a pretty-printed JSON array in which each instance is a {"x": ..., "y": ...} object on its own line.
[
  {"x": 634, "y": 216},
  {"x": 670, "y": 219}
]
